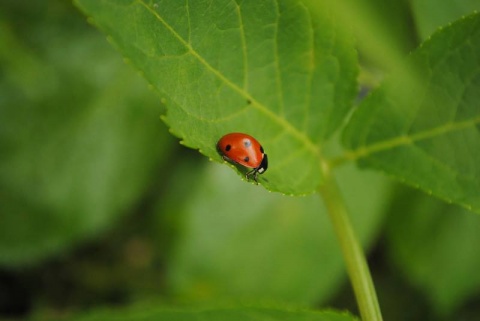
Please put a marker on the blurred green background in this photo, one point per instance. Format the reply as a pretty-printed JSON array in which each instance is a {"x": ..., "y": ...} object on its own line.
[{"x": 101, "y": 207}]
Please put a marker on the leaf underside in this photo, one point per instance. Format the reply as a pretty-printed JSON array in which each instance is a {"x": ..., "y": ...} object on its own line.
[
  {"x": 272, "y": 69},
  {"x": 422, "y": 126},
  {"x": 286, "y": 244},
  {"x": 241, "y": 314},
  {"x": 436, "y": 232}
]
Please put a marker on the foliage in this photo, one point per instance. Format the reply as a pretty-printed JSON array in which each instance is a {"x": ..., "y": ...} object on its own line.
[
  {"x": 74, "y": 155},
  {"x": 92, "y": 189}
]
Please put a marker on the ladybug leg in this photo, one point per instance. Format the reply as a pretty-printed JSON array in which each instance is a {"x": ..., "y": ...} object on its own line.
[
  {"x": 253, "y": 172},
  {"x": 247, "y": 175}
]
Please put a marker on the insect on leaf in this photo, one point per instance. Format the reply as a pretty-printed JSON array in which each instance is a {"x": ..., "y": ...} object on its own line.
[{"x": 272, "y": 69}]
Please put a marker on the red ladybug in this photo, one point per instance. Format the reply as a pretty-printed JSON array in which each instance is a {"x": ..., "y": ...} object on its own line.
[{"x": 245, "y": 150}]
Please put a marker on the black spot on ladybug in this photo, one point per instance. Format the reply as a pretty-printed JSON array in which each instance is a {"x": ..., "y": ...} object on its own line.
[
  {"x": 261, "y": 149},
  {"x": 246, "y": 159},
  {"x": 247, "y": 143},
  {"x": 228, "y": 147}
]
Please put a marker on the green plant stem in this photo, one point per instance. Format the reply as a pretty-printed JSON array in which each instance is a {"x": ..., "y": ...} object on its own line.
[{"x": 352, "y": 251}]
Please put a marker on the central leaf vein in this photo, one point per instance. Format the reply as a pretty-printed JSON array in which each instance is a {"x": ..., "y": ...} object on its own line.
[{"x": 403, "y": 140}]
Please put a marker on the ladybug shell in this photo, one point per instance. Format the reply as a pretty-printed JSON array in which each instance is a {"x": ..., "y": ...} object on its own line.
[{"x": 242, "y": 149}]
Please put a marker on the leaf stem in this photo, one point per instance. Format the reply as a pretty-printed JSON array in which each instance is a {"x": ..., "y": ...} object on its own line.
[{"x": 354, "y": 257}]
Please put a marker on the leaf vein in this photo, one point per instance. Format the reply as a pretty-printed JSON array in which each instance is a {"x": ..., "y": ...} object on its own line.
[
  {"x": 312, "y": 147},
  {"x": 244, "y": 46},
  {"x": 398, "y": 141},
  {"x": 311, "y": 71},
  {"x": 187, "y": 7},
  {"x": 278, "y": 74}
]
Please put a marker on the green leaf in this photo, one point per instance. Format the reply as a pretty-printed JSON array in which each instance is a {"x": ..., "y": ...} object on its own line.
[
  {"x": 75, "y": 157},
  {"x": 431, "y": 14},
  {"x": 151, "y": 312},
  {"x": 272, "y": 69},
  {"x": 255, "y": 245},
  {"x": 422, "y": 126},
  {"x": 436, "y": 246}
]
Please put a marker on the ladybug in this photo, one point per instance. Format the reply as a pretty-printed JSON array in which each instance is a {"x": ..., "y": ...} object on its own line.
[{"x": 245, "y": 150}]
